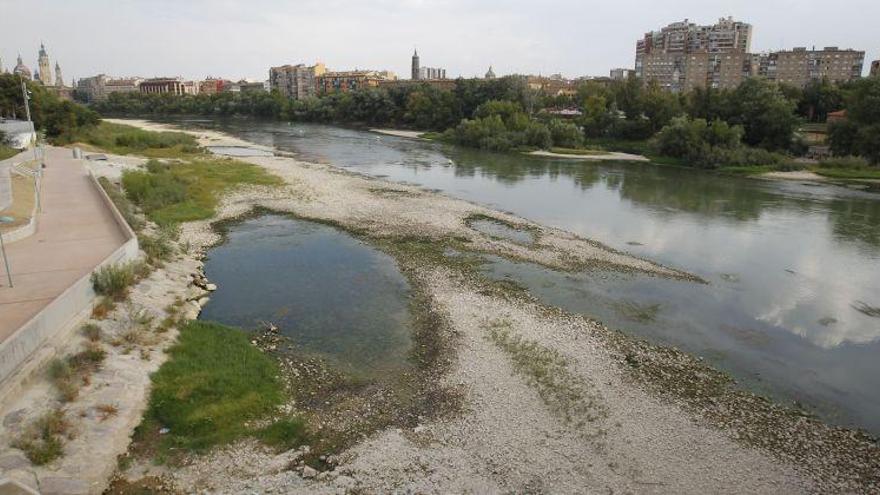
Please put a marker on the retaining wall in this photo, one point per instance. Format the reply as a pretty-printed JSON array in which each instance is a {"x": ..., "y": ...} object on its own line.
[{"x": 38, "y": 340}]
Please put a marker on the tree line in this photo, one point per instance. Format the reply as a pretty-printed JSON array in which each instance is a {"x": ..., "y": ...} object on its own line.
[{"x": 55, "y": 117}]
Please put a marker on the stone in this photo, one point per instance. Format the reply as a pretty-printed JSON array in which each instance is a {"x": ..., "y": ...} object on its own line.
[
  {"x": 203, "y": 301},
  {"x": 56, "y": 485},
  {"x": 12, "y": 487},
  {"x": 344, "y": 481},
  {"x": 309, "y": 472},
  {"x": 13, "y": 461},
  {"x": 14, "y": 418},
  {"x": 211, "y": 287}
]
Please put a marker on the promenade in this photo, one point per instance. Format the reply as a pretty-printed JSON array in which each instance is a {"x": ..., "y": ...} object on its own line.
[{"x": 75, "y": 232}]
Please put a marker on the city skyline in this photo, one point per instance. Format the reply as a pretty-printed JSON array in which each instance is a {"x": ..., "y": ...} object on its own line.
[{"x": 193, "y": 40}]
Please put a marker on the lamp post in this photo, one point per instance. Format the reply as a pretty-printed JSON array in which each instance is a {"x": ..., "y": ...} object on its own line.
[{"x": 3, "y": 249}]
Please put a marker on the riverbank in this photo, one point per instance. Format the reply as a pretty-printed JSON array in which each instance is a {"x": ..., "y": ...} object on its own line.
[
  {"x": 399, "y": 133},
  {"x": 540, "y": 387}
]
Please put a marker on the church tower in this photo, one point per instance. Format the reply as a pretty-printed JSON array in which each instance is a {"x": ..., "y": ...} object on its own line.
[
  {"x": 22, "y": 70},
  {"x": 59, "y": 81},
  {"x": 415, "y": 65},
  {"x": 44, "y": 67}
]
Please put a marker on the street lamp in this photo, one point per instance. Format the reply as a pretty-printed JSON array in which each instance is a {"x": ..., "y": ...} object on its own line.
[{"x": 3, "y": 249}]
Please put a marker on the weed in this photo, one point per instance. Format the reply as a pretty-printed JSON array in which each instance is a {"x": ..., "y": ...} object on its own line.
[
  {"x": 92, "y": 332},
  {"x": 41, "y": 441},
  {"x": 113, "y": 281},
  {"x": 125, "y": 207},
  {"x": 283, "y": 434},
  {"x": 547, "y": 371},
  {"x": 103, "y": 308},
  {"x": 105, "y": 411}
]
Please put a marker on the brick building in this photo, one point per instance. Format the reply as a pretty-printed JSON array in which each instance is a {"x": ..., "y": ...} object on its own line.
[{"x": 296, "y": 81}]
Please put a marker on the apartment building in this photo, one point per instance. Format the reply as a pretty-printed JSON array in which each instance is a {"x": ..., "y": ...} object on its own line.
[
  {"x": 296, "y": 81},
  {"x": 875, "y": 68},
  {"x": 685, "y": 55},
  {"x": 432, "y": 73},
  {"x": 169, "y": 85},
  {"x": 799, "y": 66},
  {"x": 345, "y": 81}
]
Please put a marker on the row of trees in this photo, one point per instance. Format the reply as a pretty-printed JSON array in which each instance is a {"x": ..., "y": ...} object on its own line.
[
  {"x": 504, "y": 113},
  {"x": 56, "y": 117}
]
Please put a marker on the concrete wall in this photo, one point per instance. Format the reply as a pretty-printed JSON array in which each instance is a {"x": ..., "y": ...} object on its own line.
[{"x": 36, "y": 341}]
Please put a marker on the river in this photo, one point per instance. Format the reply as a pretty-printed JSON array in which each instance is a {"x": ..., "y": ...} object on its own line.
[{"x": 793, "y": 268}]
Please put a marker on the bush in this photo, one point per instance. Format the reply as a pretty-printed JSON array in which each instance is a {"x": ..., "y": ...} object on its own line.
[
  {"x": 91, "y": 332},
  {"x": 41, "y": 441},
  {"x": 565, "y": 134},
  {"x": 855, "y": 162},
  {"x": 123, "y": 204},
  {"x": 113, "y": 281}
]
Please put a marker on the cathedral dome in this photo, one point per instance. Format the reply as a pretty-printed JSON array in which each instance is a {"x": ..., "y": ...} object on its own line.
[{"x": 21, "y": 69}]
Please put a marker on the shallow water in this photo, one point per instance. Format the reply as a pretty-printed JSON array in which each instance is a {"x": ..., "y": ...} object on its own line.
[
  {"x": 788, "y": 263},
  {"x": 501, "y": 230},
  {"x": 237, "y": 151},
  {"x": 328, "y": 292}
]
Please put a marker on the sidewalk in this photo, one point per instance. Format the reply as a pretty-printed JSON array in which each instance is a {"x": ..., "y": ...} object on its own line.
[{"x": 75, "y": 232}]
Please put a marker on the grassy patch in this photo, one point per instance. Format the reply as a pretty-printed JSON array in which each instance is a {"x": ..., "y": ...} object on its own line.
[
  {"x": 125, "y": 207},
  {"x": 70, "y": 374},
  {"x": 187, "y": 191},
  {"x": 547, "y": 371},
  {"x": 7, "y": 152},
  {"x": 114, "y": 281},
  {"x": 214, "y": 385},
  {"x": 123, "y": 139},
  {"x": 41, "y": 441}
]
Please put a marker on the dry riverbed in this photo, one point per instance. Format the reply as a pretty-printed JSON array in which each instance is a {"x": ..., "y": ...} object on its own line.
[{"x": 508, "y": 395}]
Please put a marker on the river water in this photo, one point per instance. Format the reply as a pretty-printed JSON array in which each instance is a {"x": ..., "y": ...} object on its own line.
[
  {"x": 791, "y": 266},
  {"x": 330, "y": 293}
]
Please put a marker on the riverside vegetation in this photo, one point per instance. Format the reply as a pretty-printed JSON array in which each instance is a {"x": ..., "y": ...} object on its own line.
[{"x": 760, "y": 119}]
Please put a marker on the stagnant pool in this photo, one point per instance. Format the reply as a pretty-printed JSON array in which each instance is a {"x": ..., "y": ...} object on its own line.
[{"x": 328, "y": 292}]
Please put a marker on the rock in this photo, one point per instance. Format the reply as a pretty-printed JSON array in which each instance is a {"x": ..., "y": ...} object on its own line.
[
  {"x": 211, "y": 287},
  {"x": 63, "y": 486},
  {"x": 203, "y": 301},
  {"x": 14, "y": 418},
  {"x": 309, "y": 472},
  {"x": 13, "y": 461},
  {"x": 344, "y": 481}
]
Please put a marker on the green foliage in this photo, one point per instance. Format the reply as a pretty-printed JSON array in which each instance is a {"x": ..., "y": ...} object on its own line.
[
  {"x": 710, "y": 145},
  {"x": 113, "y": 281},
  {"x": 182, "y": 192},
  {"x": 56, "y": 117},
  {"x": 565, "y": 134},
  {"x": 159, "y": 247},
  {"x": 213, "y": 384},
  {"x": 818, "y": 99},
  {"x": 123, "y": 140},
  {"x": 41, "y": 440},
  {"x": 860, "y": 133},
  {"x": 284, "y": 434},
  {"x": 766, "y": 115},
  {"x": 123, "y": 204},
  {"x": 852, "y": 162}
]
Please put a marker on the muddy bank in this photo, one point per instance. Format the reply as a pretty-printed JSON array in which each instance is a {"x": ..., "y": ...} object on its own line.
[{"x": 549, "y": 401}]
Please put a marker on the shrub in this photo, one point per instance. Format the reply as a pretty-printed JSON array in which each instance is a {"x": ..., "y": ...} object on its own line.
[
  {"x": 125, "y": 207},
  {"x": 41, "y": 441},
  {"x": 113, "y": 281},
  {"x": 565, "y": 134},
  {"x": 855, "y": 162},
  {"x": 92, "y": 332}
]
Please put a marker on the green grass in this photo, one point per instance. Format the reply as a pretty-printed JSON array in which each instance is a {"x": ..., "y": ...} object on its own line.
[
  {"x": 41, "y": 441},
  {"x": 190, "y": 190},
  {"x": 7, "y": 152},
  {"x": 213, "y": 385},
  {"x": 113, "y": 281},
  {"x": 124, "y": 140}
]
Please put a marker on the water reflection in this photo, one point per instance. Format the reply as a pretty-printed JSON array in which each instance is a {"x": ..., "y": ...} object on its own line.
[
  {"x": 788, "y": 259},
  {"x": 328, "y": 292}
]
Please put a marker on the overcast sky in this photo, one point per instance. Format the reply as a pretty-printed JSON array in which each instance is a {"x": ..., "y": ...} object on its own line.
[{"x": 237, "y": 39}]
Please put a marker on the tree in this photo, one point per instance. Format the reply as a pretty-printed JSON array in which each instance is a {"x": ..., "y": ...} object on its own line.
[
  {"x": 766, "y": 115},
  {"x": 818, "y": 99},
  {"x": 860, "y": 133}
]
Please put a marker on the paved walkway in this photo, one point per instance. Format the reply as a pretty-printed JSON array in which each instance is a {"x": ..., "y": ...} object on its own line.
[{"x": 75, "y": 232}]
